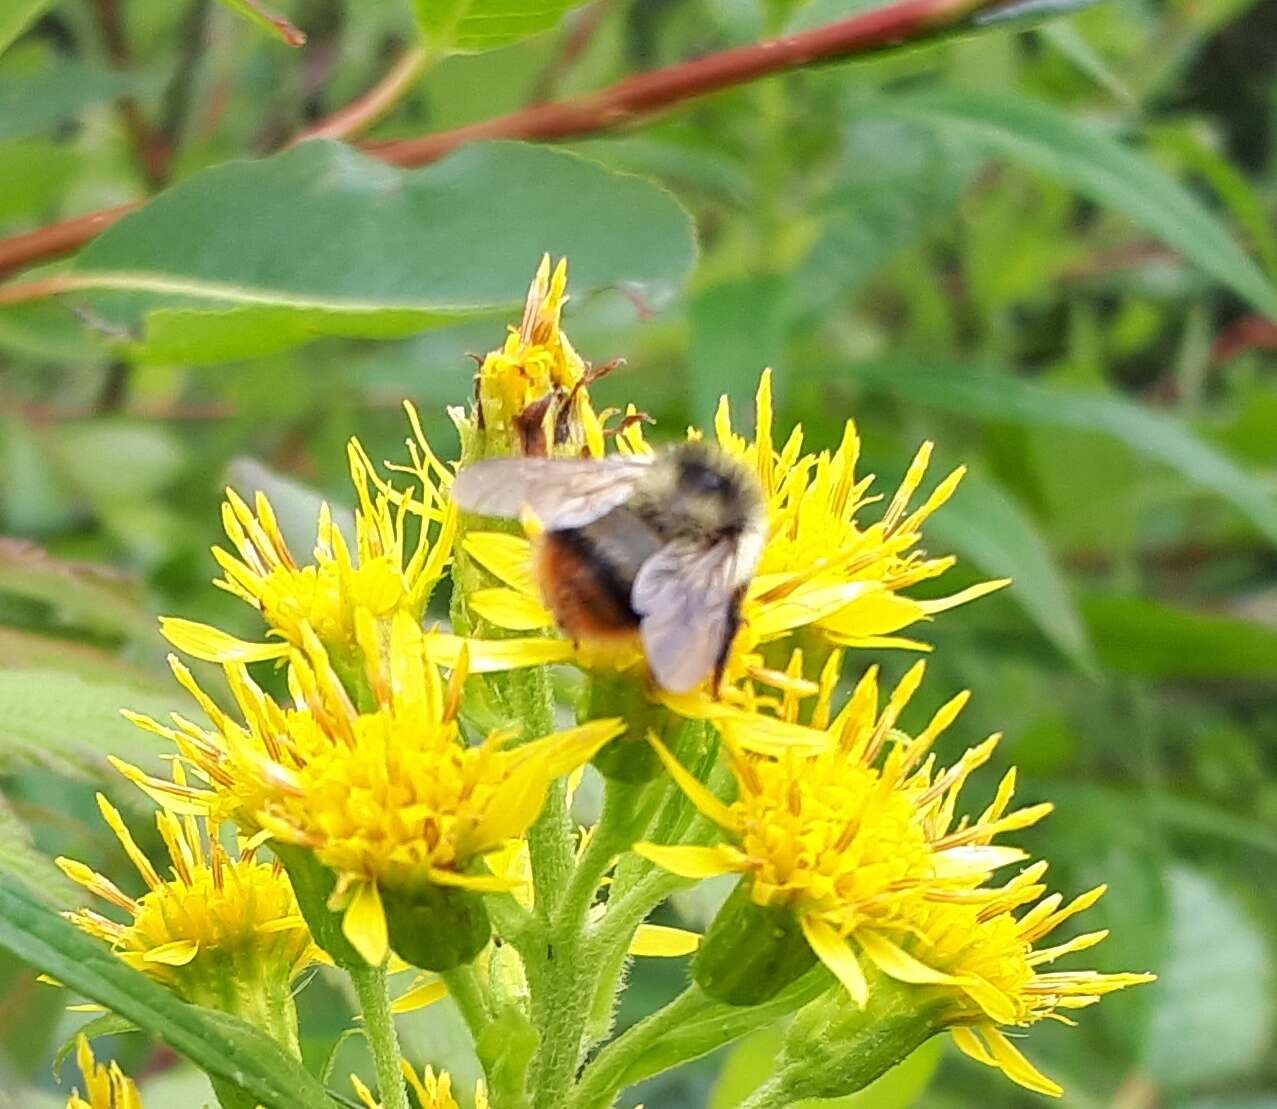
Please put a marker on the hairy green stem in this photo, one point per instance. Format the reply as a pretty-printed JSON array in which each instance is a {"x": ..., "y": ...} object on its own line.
[
  {"x": 471, "y": 997},
  {"x": 604, "y": 1077},
  {"x": 379, "y": 1030}
]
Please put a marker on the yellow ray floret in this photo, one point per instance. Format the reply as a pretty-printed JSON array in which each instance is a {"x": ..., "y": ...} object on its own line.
[
  {"x": 105, "y": 1086},
  {"x": 856, "y": 839},
  {"x": 386, "y": 793},
  {"x": 431, "y": 1091},
  {"x": 402, "y": 544},
  {"x": 995, "y": 955},
  {"x": 211, "y": 910}
]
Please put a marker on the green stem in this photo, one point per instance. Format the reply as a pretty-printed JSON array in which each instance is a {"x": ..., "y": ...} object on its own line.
[
  {"x": 604, "y": 1077},
  {"x": 470, "y": 996},
  {"x": 564, "y": 983},
  {"x": 379, "y": 1029}
]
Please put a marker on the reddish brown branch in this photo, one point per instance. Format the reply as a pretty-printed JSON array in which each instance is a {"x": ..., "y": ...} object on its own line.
[
  {"x": 372, "y": 105},
  {"x": 618, "y": 105}
]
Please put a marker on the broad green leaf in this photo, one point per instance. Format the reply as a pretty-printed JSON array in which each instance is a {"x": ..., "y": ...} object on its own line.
[
  {"x": 21, "y": 649},
  {"x": 225, "y": 1047},
  {"x": 267, "y": 20},
  {"x": 969, "y": 391},
  {"x": 1137, "y": 636},
  {"x": 469, "y": 26},
  {"x": 78, "y": 594},
  {"x": 984, "y": 524},
  {"x": 248, "y": 258},
  {"x": 1045, "y": 139},
  {"x": 60, "y": 720},
  {"x": 16, "y": 16},
  {"x": 36, "y": 101},
  {"x": 21, "y": 859},
  {"x": 1213, "y": 1008}
]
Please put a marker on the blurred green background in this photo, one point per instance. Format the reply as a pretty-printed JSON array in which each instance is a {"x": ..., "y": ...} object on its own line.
[{"x": 1050, "y": 248}]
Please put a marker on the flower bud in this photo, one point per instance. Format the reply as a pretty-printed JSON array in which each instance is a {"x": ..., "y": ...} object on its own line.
[
  {"x": 436, "y": 927},
  {"x": 751, "y": 952}
]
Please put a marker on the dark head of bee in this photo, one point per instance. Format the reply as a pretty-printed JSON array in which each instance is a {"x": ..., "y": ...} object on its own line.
[{"x": 698, "y": 492}]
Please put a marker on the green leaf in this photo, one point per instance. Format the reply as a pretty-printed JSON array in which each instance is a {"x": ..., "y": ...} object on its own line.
[
  {"x": 16, "y": 16},
  {"x": 470, "y": 26},
  {"x": 969, "y": 391},
  {"x": 986, "y": 525},
  {"x": 225, "y": 1047},
  {"x": 36, "y": 101},
  {"x": 68, "y": 723},
  {"x": 78, "y": 594},
  {"x": 1137, "y": 636},
  {"x": 1213, "y": 1006},
  {"x": 271, "y": 22},
  {"x": 108, "y": 1024},
  {"x": 720, "y": 1023},
  {"x": 21, "y": 859},
  {"x": 1101, "y": 168},
  {"x": 248, "y": 258}
]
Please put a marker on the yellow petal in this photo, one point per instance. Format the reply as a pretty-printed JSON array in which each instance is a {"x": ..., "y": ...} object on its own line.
[
  {"x": 506, "y": 557},
  {"x": 510, "y": 609},
  {"x": 364, "y": 924},
  {"x": 422, "y": 993},
  {"x": 692, "y": 862},
  {"x": 837, "y": 955},
  {"x": 365, "y": 1095},
  {"x": 515, "y": 804},
  {"x": 1016, "y": 1067},
  {"x": 969, "y": 1044},
  {"x": 964, "y": 862},
  {"x": 876, "y": 613},
  {"x": 899, "y": 964},
  {"x": 659, "y": 940},
  {"x": 972, "y": 593},
  {"x": 175, "y": 954},
  {"x": 214, "y": 645},
  {"x": 481, "y": 883},
  {"x": 699, "y": 794},
  {"x": 490, "y": 655},
  {"x": 766, "y": 735}
]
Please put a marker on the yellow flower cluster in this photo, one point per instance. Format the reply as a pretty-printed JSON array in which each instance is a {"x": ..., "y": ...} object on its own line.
[
  {"x": 862, "y": 842},
  {"x": 431, "y": 1091},
  {"x": 216, "y": 912},
  {"x": 383, "y": 766}
]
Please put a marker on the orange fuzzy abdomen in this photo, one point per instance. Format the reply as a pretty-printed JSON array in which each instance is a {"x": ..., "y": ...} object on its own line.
[{"x": 589, "y": 600}]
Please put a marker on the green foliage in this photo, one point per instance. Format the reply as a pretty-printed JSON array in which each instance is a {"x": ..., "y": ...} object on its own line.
[
  {"x": 340, "y": 245},
  {"x": 1051, "y": 251},
  {"x": 227, "y": 1048}
]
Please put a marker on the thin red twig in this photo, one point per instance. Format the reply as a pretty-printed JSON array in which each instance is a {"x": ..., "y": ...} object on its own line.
[{"x": 618, "y": 105}]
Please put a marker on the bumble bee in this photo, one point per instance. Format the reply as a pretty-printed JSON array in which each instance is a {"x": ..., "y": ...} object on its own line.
[{"x": 662, "y": 545}]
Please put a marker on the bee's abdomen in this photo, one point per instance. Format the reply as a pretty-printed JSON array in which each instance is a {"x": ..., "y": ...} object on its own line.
[{"x": 588, "y": 595}]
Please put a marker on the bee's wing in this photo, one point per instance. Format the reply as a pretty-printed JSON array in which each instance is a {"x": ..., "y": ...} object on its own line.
[
  {"x": 561, "y": 492},
  {"x": 684, "y": 596}
]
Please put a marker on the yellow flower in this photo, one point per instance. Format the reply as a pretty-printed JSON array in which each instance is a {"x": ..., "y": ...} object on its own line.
[
  {"x": 431, "y": 1091},
  {"x": 822, "y": 571},
  {"x": 106, "y": 1087},
  {"x": 216, "y": 920},
  {"x": 387, "y": 572},
  {"x": 531, "y": 396},
  {"x": 389, "y": 798},
  {"x": 981, "y": 943},
  {"x": 855, "y": 840}
]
